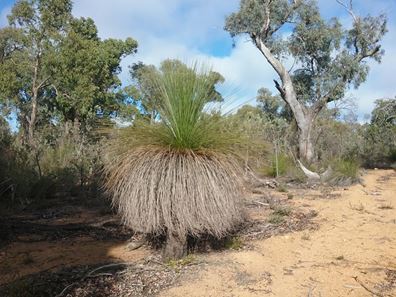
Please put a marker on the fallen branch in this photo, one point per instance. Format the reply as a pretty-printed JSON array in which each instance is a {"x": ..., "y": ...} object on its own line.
[
  {"x": 314, "y": 176},
  {"x": 310, "y": 174}
]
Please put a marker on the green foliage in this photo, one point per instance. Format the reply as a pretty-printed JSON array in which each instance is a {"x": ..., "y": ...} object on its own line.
[
  {"x": 384, "y": 112},
  {"x": 272, "y": 106},
  {"x": 275, "y": 219},
  {"x": 145, "y": 92},
  {"x": 69, "y": 155},
  {"x": 278, "y": 215},
  {"x": 330, "y": 58},
  {"x": 282, "y": 211},
  {"x": 279, "y": 165},
  {"x": 344, "y": 172},
  {"x": 57, "y": 77},
  {"x": 179, "y": 264},
  {"x": 347, "y": 168},
  {"x": 186, "y": 120},
  {"x": 85, "y": 73},
  {"x": 55, "y": 68},
  {"x": 35, "y": 29},
  {"x": 233, "y": 243},
  {"x": 379, "y": 137},
  {"x": 63, "y": 160},
  {"x": 17, "y": 176}
]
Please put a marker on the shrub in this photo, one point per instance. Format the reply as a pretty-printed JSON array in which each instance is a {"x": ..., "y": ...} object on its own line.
[
  {"x": 345, "y": 172},
  {"x": 278, "y": 215},
  {"x": 233, "y": 243},
  {"x": 62, "y": 160},
  {"x": 379, "y": 137}
]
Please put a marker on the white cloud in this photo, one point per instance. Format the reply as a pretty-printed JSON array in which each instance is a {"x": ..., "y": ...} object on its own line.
[
  {"x": 178, "y": 29},
  {"x": 192, "y": 22},
  {"x": 184, "y": 29}
]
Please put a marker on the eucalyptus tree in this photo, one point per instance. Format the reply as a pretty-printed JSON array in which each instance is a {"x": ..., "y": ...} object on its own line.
[
  {"x": 28, "y": 43},
  {"x": 55, "y": 67},
  {"x": 85, "y": 80},
  {"x": 272, "y": 105},
  {"x": 379, "y": 146},
  {"x": 328, "y": 58}
]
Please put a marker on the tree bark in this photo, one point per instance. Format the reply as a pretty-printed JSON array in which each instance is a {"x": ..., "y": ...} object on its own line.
[
  {"x": 175, "y": 247},
  {"x": 32, "y": 118},
  {"x": 303, "y": 117},
  {"x": 33, "y": 112},
  {"x": 306, "y": 150}
]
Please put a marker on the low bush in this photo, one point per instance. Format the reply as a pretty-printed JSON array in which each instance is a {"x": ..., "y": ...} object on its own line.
[
  {"x": 345, "y": 172},
  {"x": 279, "y": 165},
  {"x": 62, "y": 161}
]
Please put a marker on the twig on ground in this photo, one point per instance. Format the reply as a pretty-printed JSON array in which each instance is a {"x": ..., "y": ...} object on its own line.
[
  {"x": 365, "y": 192},
  {"x": 367, "y": 288},
  {"x": 310, "y": 292},
  {"x": 107, "y": 266},
  {"x": 89, "y": 275},
  {"x": 99, "y": 274},
  {"x": 352, "y": 287},
  {"x": 65, "y": 289},
  {"x": 261, "y": 203},
  {"x": 158, "y": 262},
  {"x": 101, "y": 223}
]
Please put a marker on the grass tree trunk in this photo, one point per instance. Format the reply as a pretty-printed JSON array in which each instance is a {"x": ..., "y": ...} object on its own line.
[{"x": 175, "y": 246}]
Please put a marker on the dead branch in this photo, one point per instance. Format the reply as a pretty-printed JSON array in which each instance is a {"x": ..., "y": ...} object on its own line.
[
  {"x": 348, "y": 8},
  {"x": 266, "y": 25},
  {"x": 310, "y": 174}
]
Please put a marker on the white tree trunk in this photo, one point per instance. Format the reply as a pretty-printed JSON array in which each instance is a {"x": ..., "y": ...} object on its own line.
[
  {"x": 302, "y": 116},
  {"x": 305, "y": 146}
]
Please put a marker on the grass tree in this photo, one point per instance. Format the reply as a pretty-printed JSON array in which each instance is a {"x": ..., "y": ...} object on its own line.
[{"x": 177, "y": 175}]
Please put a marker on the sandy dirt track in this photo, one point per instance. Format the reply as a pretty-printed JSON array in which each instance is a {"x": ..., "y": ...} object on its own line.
[{"x": 353, "y": 252}]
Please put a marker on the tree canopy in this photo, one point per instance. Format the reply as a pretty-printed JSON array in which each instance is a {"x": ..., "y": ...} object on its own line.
[
  {"x": 327, "y": 58},
  {"x": 54, "y": 67}
]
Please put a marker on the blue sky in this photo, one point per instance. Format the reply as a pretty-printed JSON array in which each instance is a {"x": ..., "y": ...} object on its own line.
[{"x": 193, "y": 29}]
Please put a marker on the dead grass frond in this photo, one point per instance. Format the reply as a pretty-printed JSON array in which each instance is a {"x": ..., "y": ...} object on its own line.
[{"x": 157, "y": 189}]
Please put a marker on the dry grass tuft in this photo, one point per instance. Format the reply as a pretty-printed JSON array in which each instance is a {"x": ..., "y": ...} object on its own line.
[{"x": 157, "y": 189}]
